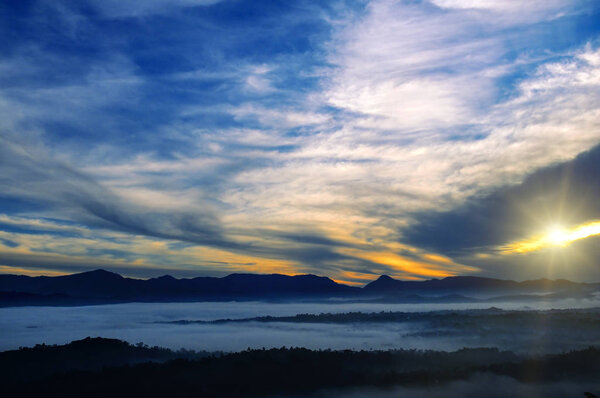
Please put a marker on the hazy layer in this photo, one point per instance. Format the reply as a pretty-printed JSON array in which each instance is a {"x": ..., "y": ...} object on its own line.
[
  {"x": 135, "y": 322},
  {"x": 477, "y": 386}
]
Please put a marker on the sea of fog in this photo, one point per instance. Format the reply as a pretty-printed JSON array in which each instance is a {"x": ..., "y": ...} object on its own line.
[
  {"x": 146, "y": 322},
  {"x": 477, "y": 385}
]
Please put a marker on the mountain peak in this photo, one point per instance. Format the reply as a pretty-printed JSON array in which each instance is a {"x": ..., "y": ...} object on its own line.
[
  {"x": 165, "y": 278},
  {"x": 384, "y": 282},
  {"x": 102, "y": 273}
]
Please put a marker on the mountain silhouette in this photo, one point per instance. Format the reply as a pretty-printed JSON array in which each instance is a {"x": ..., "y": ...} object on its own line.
[
  {"x": 383, "y": 284},
  {"x": 102, "y": 286},
  {"x": 475, "y": 284}
]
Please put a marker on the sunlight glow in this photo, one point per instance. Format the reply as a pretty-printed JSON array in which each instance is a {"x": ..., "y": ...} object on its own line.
[{"x": 557, "y": 236}]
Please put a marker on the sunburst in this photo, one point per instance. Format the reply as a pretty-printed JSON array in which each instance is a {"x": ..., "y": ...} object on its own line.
[{"x": 556, "y": 236}]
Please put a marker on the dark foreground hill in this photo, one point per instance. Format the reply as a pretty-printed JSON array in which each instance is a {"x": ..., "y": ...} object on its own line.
[
  {"x": 100, "y": 287},
  {"x": 89, "y": 354},
  {"x": 102, "y": 367}
]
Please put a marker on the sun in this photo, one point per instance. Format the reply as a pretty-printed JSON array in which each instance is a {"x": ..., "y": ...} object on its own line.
[{"x": 558, "y": 236}]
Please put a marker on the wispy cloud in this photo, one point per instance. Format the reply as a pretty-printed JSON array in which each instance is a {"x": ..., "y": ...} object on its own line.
[
  {"x": 131, "y": 8},
  {"x": 290, "y": 137}
]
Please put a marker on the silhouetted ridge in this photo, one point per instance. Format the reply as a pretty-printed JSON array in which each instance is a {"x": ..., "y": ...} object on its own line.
[
  {"x": 475, "y": 284},
  {"x": 97, "y": 274},
  {"x": 383, "y": 283},
  {"x": 103, "y": 285},
  {"x": 100, "y": 286},
  {"x": 165, "y": 278}
]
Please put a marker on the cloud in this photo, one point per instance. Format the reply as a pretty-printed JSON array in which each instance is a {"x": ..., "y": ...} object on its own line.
[
  {"x": 436, "y": 157},
  {"x": 132, "y": 8},
  {"x": 280, "y": 118},
  {"x": 29, "y": 174},
  {"x": 534, "y": 7},
  {"x": 306, "y": 138},
  {"x": 407, "y": 68},
  {"x": 258, "y": 81},
  {"x": 563, "y": 194}
]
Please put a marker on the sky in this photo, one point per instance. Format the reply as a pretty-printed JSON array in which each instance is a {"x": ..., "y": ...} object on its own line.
[{"x": 345, "y": 138}]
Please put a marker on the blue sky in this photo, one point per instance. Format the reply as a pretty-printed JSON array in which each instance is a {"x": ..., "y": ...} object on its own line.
[{"x": 341, "y": 138}]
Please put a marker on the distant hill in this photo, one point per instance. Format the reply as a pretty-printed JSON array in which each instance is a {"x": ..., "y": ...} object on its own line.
[
  {"x": 100, "y": 286},
  {"x": 477, "y": 285},
  {"x": 103, "y": 286}
]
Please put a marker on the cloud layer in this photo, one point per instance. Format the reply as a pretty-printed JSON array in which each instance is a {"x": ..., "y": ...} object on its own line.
[{"x": 349, "y": 139}]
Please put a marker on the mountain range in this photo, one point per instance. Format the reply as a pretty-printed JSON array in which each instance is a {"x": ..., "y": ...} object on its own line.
[{"x": 100, "y": 286}]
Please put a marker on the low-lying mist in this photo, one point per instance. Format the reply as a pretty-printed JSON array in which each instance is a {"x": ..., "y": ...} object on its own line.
[
  {"x": 148, "y": 323},
  {"x": 479, "y": 385}
]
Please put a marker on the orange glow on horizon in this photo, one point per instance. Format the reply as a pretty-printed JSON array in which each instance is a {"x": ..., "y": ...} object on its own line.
[
  {"x": 5, "y": 269},
  {"x": 412, "y": 267},
  {"x": 349, "y": 283}
]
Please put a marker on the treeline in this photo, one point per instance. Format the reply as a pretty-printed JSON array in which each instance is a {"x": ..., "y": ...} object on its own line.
[
  {"x": 49, "y": 370},
  {"x": 577, "y": 318},
  {"x": 90, "y": 354}
]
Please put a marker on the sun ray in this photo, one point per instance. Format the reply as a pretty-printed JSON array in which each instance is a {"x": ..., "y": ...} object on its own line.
[{"x": 555, "y": 237}]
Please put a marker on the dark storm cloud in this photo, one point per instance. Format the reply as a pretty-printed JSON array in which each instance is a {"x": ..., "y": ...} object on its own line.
[{"x": 565, "y": 194}]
